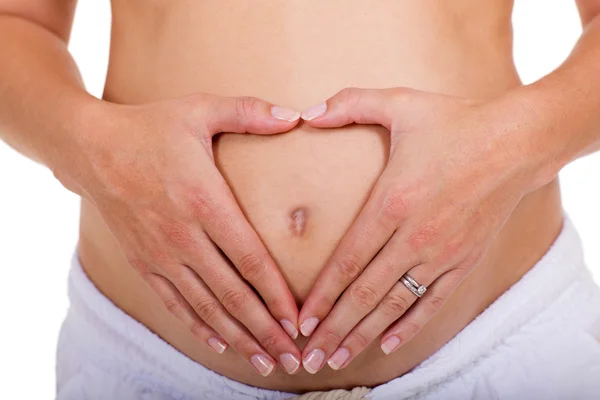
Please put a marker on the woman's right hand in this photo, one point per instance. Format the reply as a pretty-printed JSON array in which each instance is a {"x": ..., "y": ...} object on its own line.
[{"x": 149, "y": 170}]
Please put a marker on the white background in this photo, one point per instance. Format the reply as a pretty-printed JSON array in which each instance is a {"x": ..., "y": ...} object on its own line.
[{"x": 39, "y": 219}]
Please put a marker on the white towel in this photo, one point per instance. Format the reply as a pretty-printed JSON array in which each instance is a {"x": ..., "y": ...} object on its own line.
[{"x": 539, "y": 340}]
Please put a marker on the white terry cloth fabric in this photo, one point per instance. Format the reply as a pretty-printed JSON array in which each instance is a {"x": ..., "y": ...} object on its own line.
[{"x": 539, "y": 340}]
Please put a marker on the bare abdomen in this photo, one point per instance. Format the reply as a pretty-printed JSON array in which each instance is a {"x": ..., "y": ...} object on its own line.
[{"x": 301, "y": 190}]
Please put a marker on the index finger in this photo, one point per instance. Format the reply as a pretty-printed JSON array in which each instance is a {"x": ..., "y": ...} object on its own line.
[
  {"x": 370, "y": 232},
  {"x": 229, "y": 229}
]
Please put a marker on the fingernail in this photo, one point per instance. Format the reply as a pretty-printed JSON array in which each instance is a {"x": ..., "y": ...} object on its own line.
[
  {"x": 289, "y": 328},
  {"x": 262, "y": 364},
  {"x": 314, "y": 112},
  {"x": 289, "y": 362},
  {"x": 217, "y": 345},
  {"x": 390, "y": 344},
  {"x": 309, "y": 325},
  {"x": 338, "y": 358},
  {"x": 313, "y": 362},
  {"x": 285, "y": 114}
]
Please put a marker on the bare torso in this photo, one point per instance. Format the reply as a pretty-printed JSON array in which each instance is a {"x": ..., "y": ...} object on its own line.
[{"x": 296, "y": 54}]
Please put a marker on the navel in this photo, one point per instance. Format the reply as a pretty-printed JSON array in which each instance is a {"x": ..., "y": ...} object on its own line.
[{"x": 298, "y": 219}]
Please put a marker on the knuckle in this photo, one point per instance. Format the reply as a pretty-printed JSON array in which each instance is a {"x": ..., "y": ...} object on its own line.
[
  {"x": 198, "y": 329},
  {"x": 177, "y": 235},
  {"x": 394, "y": 205},
  {"x": 364, "y": 296},
  {"x": 239, "y": 344},
  {"x": 252, "y": 267},
  {"x": 423, "y": 236},
  {"x": 246, "y": 106},
  {"x": 206, "y": 308},
  {"x": 360, "y": 339},
  {"x": 395, "y": 305},
  {"x": 349, "y": 267},
  {"x": 191, "y": 104},
  {"x": 174, "y": 306},
  {"x": 411, "y": 328},
  {"x": 332, "y": 336},
  {"x": 194, "y": 99},
  {"x": 234, "y": 300},
  {"x": 270, "y": 339},
  {"x": 202, "y": 206},
  {"x": 401, "y": 93},
  {"x": 435, "y": 303},
  {"x": 350, "y": 96}
]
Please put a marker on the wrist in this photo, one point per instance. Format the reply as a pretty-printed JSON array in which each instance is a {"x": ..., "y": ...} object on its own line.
[
  {"x": 527, "y": 130},
  {"x": 71, "y": 155}
]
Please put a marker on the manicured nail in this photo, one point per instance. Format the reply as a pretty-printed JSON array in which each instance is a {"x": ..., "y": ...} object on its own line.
[
  {"x": 390, "y": 344},
  {"x": 338, "y": 358},
  {"x": 289, "y": 328},
  {"x": 262, "y": 364},
  {"x": 285, "y": 114},
  {"x": 217, "y": 345},
  {"x": 289, "y": 362},
  {"x": 313, "y": 362},
  {"x": 309, "y": 325},
  {"x": 314, "y": 112}
]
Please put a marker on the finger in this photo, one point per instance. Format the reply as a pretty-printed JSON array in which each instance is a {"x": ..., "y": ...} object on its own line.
[
  {"x": 361, "y": 297},
  {"x": 247, "y": 115},
  {"x": 353, "y": 105},
  {"x": 180, "y": 308},
  {"x": 245, "y": 306},
  {"x": 213, "y": 313},
  {"x": 371, "y": 230},
  {"x": 228, "y": 228},
  {"x": 394, "y": 304},
  {"x": 413, "y": 321}
]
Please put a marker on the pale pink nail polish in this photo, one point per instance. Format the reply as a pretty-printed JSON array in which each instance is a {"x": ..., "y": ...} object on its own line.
[
  {"x": 312, "y": 363},
  {"x": 309, "y": 325},
  {"x": 390, "y": 344},
  {"x": 289, "y": 362},
  {"x": 285, "y": 114},
  {"x": 217, "y": 345},
  {"x": 262, "y": 364},
  {"x": 314, "y": 112},
  {"x": 289, "y": 328},
  {"x": 338, "y": 358}
]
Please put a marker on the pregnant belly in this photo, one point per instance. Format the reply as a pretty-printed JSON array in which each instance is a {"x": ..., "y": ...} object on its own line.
[{"x": 301, "y": 190}]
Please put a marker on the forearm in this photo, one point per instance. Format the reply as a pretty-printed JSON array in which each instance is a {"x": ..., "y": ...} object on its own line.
[
  {"x": 561, "y": 112},
  {"x": 43, "y": 102}
]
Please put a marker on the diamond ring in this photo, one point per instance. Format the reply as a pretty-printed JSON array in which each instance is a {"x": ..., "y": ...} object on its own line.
[{"x": 413, "y": 286}]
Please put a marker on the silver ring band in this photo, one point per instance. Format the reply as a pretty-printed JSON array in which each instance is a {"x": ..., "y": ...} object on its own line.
[{"x": 413, "y": 286}]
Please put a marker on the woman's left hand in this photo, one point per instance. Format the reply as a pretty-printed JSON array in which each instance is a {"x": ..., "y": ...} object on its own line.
[{"x": 457, "y": 169}]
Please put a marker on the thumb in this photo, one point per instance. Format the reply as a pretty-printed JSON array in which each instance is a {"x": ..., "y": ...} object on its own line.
[
  {"x": 353, "y": 105},
  {"x": 247, "y": 115}
]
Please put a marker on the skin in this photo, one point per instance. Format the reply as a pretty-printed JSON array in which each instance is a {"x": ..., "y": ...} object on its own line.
[
  {"x": 174, "y": 190},
  {"x": 153, "y": 204},
  {"x": 436, "y": 210}
]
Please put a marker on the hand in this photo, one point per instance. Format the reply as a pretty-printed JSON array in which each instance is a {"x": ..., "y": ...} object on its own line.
[
  {"x": 454, "y": 175},
  {"x": 149, "y": 170}
]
